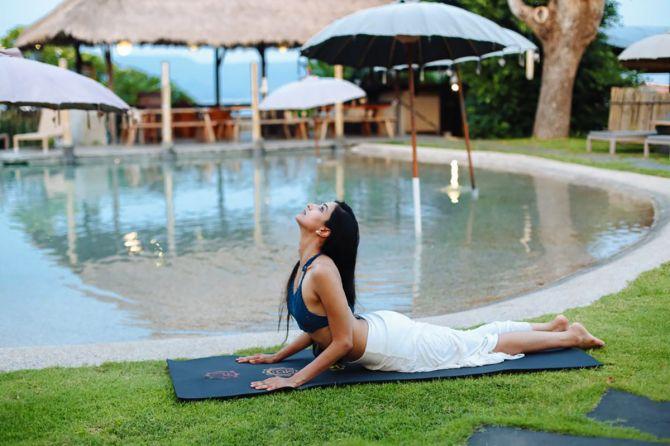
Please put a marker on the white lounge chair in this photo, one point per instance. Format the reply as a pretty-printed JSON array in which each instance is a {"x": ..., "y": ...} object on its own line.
[
  {"x": 47, "y": 128},
  {"x": 655, "y": 140},
  {"x": 612, "y": 136}
]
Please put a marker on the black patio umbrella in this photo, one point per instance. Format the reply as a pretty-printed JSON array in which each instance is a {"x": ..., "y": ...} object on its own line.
[{"x": 407, "y": 33}]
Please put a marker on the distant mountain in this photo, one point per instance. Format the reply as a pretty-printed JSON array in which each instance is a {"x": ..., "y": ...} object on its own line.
[{"x": 197, "y": 79}]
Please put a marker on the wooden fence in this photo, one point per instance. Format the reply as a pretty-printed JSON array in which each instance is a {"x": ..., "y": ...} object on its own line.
[{"x": 636, "y": 108}]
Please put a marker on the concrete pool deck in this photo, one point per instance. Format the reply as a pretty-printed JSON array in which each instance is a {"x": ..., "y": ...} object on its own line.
[
  {"x": 578, "y": 289},
  {"x": 182, "y": 150}
]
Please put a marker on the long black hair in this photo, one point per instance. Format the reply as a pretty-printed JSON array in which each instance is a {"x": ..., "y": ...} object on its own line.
[{"x": 342, "y": 247}]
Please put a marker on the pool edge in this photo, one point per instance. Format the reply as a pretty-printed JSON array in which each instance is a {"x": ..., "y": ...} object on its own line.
[{"x": 578, "y": 289}]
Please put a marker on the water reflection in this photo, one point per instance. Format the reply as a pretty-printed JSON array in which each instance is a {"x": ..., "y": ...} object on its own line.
[{"x": 205, "y": 246}]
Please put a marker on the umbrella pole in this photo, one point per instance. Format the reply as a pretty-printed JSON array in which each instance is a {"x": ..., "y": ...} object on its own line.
[
  {"x": 415, "y": 165},
  {"x": 466, "y": 131}
]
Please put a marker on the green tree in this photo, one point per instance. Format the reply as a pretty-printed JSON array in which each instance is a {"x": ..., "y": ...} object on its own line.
[{"x": 501, "y": 102}]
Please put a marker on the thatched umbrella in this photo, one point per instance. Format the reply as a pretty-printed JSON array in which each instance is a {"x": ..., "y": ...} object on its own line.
[{"x": 214, "y": 23}]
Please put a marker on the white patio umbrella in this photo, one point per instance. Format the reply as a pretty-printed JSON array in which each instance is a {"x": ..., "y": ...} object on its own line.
[
  {"x": 28, "y": 82},
  {"x": 519, "y": 44},
  {"x": 411, "y": 32},
  {"x": 651, "y": 54},
  {"x": 311, "y": 92}
]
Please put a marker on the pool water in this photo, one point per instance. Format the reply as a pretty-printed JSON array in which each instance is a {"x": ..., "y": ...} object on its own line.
[{"x": 151, "y": 249}]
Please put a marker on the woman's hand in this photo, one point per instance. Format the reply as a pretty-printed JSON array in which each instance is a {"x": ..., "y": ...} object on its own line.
[
  {"x": 259, "y": 358},
  {"x": 274, "y": 383}
]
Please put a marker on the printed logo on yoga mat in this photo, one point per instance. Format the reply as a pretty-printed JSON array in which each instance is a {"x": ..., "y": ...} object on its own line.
[
  {"x": 284, "y": 372},
  {"x": 222, "y": 374}
]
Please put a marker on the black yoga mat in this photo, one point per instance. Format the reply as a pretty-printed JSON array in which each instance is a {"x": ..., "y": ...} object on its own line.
[{"x": 223, "y": 377}]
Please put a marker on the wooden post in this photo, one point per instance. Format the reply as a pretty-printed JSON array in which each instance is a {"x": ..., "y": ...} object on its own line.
[
  {"x": 255, "y": 113},
  {"x": 219, "y": 54},
  {"x": 210, "y": 137},
  {"x": 466, "y": 131},
  {"x": 110, "y": 67},
  {"x": 339, "y": 110},
  {"x": 77, "y": 59},
  {"x": 110, "y": 85},
  {"x": 264, "y": 78},
  {"x": 65, "y": 114},
  {"x": 166, "y": 105}
]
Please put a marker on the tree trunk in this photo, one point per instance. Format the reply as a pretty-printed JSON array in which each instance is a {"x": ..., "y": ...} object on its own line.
[
  {"x": 565, "y": 28},
  {"x": 552, "y": 117}
]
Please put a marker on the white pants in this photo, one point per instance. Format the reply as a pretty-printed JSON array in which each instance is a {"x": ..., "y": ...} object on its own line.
[{"x": 397, "y": 343}]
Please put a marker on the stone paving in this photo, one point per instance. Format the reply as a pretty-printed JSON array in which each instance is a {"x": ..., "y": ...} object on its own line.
[{"x": 615, "y": 407}]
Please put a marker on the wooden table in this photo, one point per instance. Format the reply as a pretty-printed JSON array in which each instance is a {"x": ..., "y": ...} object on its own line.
[
  {"x": 150, "y": 118},
  {"x": 368, "y": 114},
  {"x": 287, "y": 121}
]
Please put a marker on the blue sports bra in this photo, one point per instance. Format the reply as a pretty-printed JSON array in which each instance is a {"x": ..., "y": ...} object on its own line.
[{"x": 307, "y": 321}]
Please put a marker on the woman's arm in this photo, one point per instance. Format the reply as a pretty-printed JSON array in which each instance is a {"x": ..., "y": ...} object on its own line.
[
  {"x": 328, "y": 286},
  {"x": 334, "y": 351},
  {"x": 300, "y": 343}
]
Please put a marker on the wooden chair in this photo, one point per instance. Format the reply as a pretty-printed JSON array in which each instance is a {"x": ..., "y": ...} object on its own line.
[
  {"x": 47, "y": 128},
  {"x": 149, "y": 99},
  {"x": 287, "y": 120},
  {"x": 140, "y": 120},
  {"x": 380, "y": 115},
  {"x": 224, "y": 126},
  {"x": 358, "y": 114}
]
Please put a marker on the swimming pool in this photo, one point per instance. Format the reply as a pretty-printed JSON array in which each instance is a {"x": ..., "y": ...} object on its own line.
[{"x": 148, "y": 249}]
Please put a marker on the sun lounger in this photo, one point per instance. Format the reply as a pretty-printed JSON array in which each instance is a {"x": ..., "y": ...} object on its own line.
[
  {"x": 656, "y": 140},
  {"x": 612, "y": 136},
  {"x": 46, "y": 129}
]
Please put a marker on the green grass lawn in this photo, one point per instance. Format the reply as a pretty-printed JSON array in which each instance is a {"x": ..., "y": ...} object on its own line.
[
  {"x": 134, "y": 402},
  {"x": 572, "y": 150}
]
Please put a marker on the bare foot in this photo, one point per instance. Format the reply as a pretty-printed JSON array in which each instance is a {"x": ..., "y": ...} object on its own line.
[
  {"x": 560, "y": 323},
  {"x": 585, "y": 340}
]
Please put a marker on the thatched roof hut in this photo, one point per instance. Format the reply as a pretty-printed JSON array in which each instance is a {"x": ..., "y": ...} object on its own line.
[{"x": 216, "y": 23}]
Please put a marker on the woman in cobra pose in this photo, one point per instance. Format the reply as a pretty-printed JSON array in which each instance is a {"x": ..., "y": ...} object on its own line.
[{"x": 322, "y": 299}]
